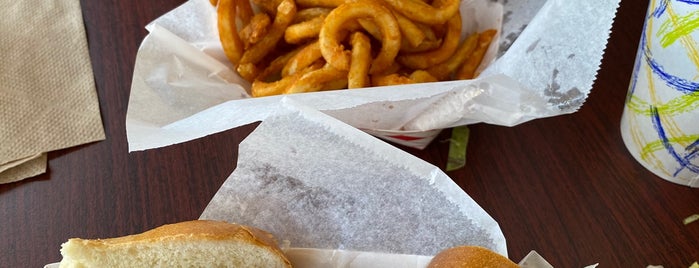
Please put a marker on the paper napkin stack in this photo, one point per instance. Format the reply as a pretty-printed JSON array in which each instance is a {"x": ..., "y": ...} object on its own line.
[{"x": 47, "y": 91}]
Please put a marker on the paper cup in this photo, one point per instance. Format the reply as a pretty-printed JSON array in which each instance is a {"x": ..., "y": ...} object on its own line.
[{"x": 660, "y": 123}]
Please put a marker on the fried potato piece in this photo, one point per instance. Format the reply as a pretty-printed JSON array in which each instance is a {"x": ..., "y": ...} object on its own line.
[
  {"x": 417, "y": 10},
  {"x": 427, "y": 59},
  {"x": 285, "y": 14},
  {"x": 320, "y": 3},
  {"x": 468, "y": 68},
  {"x": 337, "y": 56},
  {"x": 443, "y": 70},
  {"x": 310, "y": 13},
  {"x": 305, "y": 30},
  {"x": 304, "y": 58},
  {"x": 228, "y": 31},
  {"x": 315, "y": 80},
  {"x": 358, "y": 75},
  {"x": 257, "y": 28},
  {"x": 245, "y": 12}
]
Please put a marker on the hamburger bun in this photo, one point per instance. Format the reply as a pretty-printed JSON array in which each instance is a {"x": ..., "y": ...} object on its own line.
[
  {"x": 198, "y": 243},
  {"x": 470, "y": 257}
]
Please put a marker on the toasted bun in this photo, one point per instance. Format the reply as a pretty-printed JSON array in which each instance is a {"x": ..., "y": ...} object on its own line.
[
  {"x": 198, "y": 243},
  {"x": 470, "y": 257}
]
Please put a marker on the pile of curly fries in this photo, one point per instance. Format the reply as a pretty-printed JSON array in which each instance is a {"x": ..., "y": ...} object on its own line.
[{"x": 293, "y": 46}]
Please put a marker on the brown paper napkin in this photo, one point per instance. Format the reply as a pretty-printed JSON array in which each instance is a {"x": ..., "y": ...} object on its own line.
[{"x": 47, "y": 92}]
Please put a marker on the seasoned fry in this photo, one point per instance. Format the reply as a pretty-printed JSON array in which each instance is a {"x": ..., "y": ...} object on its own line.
[
  {"x": 275, "y": 67},
  {"x": 248, "y": 71},
  {"x": 427, "y": 59},
  {"x": 244, "y": 9},
  {"x": 468, "y": 69},
  {"x": 262, "y": 89},
  {"x": 417, "y": 10},
  {"x": 267, "y": 6},
  {"x": 412, "y": 33},
  {"x": 389, "y": 80},
  {"x": 320, "y": 3},
  {"x": 337, "y": 56},
  {"x": 443, "y": 70},
  {"x": 431, "y": 41},
  {"x": 304, "y": 58},
  {"x": 421, "y": 76},
  {"x": 418, "y": 76},
  {"x": 358, "y": 75},
  {"x": 302, "y": 31},
  {"x": 228, "y": 32},
  {"x": 314, "y": 80},
  {"x": 285, "y": 14},
  {"x": 255, "y": 29},
  {"x": 310, "y": 13}
]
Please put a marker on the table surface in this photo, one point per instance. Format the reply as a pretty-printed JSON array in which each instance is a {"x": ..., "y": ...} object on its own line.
[{"x": 564, "y": 186}]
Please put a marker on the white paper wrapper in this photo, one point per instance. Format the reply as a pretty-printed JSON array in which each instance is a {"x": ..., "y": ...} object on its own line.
[
  {"x": 318, "y": 183},
  {"x": 543, "y": 64}
]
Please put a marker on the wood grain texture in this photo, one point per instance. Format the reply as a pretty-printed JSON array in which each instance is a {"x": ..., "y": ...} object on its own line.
[{"x": 564, "y": 186}]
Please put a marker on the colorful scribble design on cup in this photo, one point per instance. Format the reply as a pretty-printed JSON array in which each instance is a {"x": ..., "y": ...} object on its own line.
[{"x": 660, "y": 124}]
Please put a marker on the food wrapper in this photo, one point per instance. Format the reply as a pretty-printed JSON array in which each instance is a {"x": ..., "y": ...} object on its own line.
[
  {"x": 542, "y": 64},
  {"x": 328, "y": 189}
]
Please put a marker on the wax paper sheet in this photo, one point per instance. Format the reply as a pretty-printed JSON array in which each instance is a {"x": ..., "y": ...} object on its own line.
[
  {"x": 316, "y": 182},
  {"x": 542, "y": 64}
]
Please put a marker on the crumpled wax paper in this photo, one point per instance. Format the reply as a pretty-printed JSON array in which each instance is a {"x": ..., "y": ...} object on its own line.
[
  {"x": 543, "y": 64},
  {"x": 316, "y": 182}
]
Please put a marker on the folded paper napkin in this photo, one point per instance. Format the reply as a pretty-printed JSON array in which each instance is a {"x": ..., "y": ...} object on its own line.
[{"x": 47, "y": 92}]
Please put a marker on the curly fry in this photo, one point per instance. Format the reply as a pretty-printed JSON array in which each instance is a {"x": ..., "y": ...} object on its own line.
[
  {"x": 430, "y": 42},
  {"x": 248, "y": 71},
  {"x": 304, "y": 58},
  {"x": 302, "y": 31},
  {"x": 412, "y": 33},
  {"x": 255, "y": 29},
  {"x": 262, "y": 89},
  {"x": 314, "y": 80},
  {"x": 320, "y": 3},
  {"x": 274, "y": 68},
  {"x": 468, "y": 69},
  {"x": 389, "y": 80},
  {"x": 418, "y": 76},
  {"x": 422, "y": 76},
  {"x": 437, "y": 13},
  {"x": 310, "y": 13},
  {"x": 334, "y": 53},
  {"x": 426, "y": 59},
  {"x": 285, "y": 14},
  {"x": 358, "y": 75},
  {"x": 267, "y": 6},
  {"x": 244, "y": 9},
  {"x": 228, "y": 31},
  {"x": 443, "y": 70}
]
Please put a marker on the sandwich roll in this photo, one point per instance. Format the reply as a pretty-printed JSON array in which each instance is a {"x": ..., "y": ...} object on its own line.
[
  {"x": 470, "y": 257},
  {"x": 198, "y": 243}
]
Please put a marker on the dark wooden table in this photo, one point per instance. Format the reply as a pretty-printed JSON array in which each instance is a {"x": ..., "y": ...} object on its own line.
[{"x": 563, "y": 186}]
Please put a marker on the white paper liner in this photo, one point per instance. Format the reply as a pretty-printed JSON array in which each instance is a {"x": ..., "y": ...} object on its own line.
[{"x": 548, "y": 54}]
